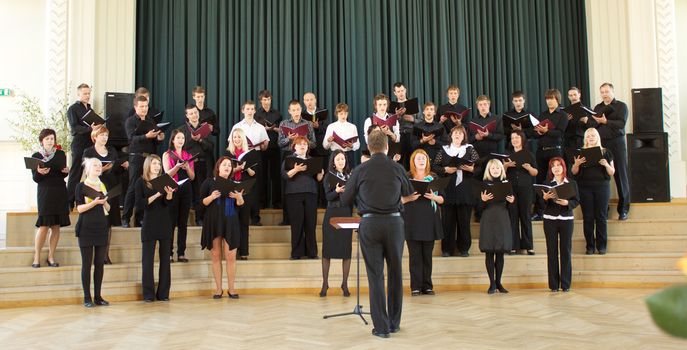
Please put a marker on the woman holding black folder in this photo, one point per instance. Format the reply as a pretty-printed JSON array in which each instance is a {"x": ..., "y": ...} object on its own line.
[
  {"x": 422, "y": 222},
  {"x": 112, "y": 171},
  {"x": 558, "y": 227},
  {"x": 51, "y": 196},
  {"x": 92, "y": 229},
  {"x": 521, "y": 174},
  {"x": 459, "y": 198},
  {"x": 595, "y": 192},
  {"x": 156, "y": 227},
  {"x": 495, "y": 234},
  {"x": 336, "y": 244},
  {"x": 238, "y": 145},
  {"x": 301, "y": 198},
  {"x": 179, "y": 164}
]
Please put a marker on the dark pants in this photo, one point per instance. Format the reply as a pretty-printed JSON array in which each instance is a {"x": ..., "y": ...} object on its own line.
[
  {"x": 88, "y": 258},
  {"x": 285, "y": 213},
  {"x": 543, "y": 157},
  {"x": 164, "y": 272},
  {"x": 594, "y": 201},
  {"x": 381, "y": 239},
  {"x": 420, "y": 264},
  {"x": 520, "y": 219},
  {"x": 618, "y": 149},
  {"x": 559, "y": 239},
  {"x": 75, "y": 172},
  {"x": 271, "y": 179},
  {"x": 244, "y": 222},
  {"x": 179, "y": 214},
  {"x": 406, "y": 149},
  {"x": 135, "y": 171},
  {"x": 201, "y": 171},
  {"x": 303, "y": 218},
  {"x": 456, "y": 223}
]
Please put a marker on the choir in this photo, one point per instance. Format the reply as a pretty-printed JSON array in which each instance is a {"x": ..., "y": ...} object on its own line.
[{"x": 492, "y": 164}]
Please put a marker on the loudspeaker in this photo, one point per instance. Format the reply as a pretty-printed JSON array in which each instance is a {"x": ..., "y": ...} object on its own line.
[
  {"x": 647, "y": 110},
  {"x": 648, "y": 167},
  {"x": 117, "y": 107}
]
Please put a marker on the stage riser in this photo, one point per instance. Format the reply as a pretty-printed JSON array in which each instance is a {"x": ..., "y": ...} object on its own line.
[
  {"x": 22, "y": 257},
  {"x": 282, "y": 234}
]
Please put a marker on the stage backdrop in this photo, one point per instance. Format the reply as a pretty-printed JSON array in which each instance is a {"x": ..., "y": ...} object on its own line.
[{"x": 350, "y": 50}]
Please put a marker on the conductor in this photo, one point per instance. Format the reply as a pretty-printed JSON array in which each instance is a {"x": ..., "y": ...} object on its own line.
[{"x": 377, "y": 186}]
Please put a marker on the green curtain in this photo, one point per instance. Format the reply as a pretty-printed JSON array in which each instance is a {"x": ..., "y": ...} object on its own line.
[{"x": 350, "y": 50}]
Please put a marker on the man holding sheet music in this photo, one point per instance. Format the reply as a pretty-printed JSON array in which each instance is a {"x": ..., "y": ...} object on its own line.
[
  {"x": 270, "y": 118},
  {"x": 519, "y": 118},
  {"x": 409, "y": 109},
  {"x": 81, "y": 137},
  {"x": 453, "y": 113}
]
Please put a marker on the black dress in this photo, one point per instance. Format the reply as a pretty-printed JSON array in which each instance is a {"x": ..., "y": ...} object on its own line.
[
  {"x": 495, "y": 235},
  {"x": 216, "y": 222},
  {"x": 157, "y": 221},
  {"x": 92, "y": 227},
  {"x": 422, "y": 220},
  {"x": 51, "y": 194},
  {"x": 110, "y": 178},
  {"x": 336, "y": 244}
]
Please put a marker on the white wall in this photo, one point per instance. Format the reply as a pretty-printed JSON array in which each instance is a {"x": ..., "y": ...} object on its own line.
[{"x": 681, "y": 16}]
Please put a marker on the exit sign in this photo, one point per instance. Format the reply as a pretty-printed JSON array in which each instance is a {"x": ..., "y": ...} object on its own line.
[{"x": 5, "y": 92}]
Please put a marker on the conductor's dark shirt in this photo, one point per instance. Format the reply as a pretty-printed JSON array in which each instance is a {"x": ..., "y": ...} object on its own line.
[{"x": 377, "y": 186}]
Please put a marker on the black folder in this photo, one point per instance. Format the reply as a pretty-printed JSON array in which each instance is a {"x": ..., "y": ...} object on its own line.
[
  {"x": 526, "y": 120},
  {"x": 456, "y": 162},
  {"x": 114, "y": 192},
  {"x": 91, "y": 193},
  {"x": 318, "y": 116},
  {"x": 521, "y": 157},
  {"x": 499, "y": 189},
  {"x": 592, "y": 156},
  {"x": 420, "y": 132},
  {"x": 333, "y": 180},
  {"x": 314, "y": 164},
  {"x": 33, "y": 163},
  {"x": 562, "y": 191},
  {"x": 437, "y": 184},
  {"x": 91, "y": 118},
  {"x": 410, "y": 105},
  {"x": 578, "y": 110},
  {"x": 226, "y": 186},
  {"x": 161, "y": 181},
  {"x": 146, "y": 126}
]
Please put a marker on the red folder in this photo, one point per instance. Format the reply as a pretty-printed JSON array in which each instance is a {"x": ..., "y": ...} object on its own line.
[
  {"x": 300, "y": 131},
  {"x": 204, "y": 130},
  {"x": 490, "y": 127},
  {"x": 390, "y": 121},
  {"x": 340, "y": 141}
]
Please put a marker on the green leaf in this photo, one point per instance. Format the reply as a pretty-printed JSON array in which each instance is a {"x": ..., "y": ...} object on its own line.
[{"x": 668, "y": 308}]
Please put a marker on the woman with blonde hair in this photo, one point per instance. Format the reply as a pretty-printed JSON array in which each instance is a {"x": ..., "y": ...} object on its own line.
[
  {"x": 495, "y": 235},
  {"x": 594, "y": 181},
  {"x": 242, "y": 171}
]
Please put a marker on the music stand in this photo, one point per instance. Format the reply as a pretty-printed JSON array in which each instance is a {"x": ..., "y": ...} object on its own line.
[{"x": 342, "y": 223}]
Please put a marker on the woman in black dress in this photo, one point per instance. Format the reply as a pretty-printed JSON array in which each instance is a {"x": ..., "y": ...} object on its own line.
[
  {"x": 53, "y": 211},
  {"x": 92, "y": 229},
  {"x": 336, "y": 244},
  {"x": 459, "y": 198},
  {"x": 558, "y": 228},
  {"x": 156, "y": 227},
  {"x": 422, "y": 225},
  {"x": 595, "y": 192},
  {"x": 178, "y": 164},
  {"x": 522, "y": 177},
  {"x": 495, "y": 235},
  {"x": 221, "y": 231},
  {"x": 238, "y": 145},
  {"x": 113, "y": 168}
]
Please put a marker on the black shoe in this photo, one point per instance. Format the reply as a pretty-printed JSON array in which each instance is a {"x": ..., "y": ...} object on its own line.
[
  {"x": 554, "y": 291},
  {"x": 491, "y": 290},
  {"x": 107, "y": 261},
  {"x": 284, "y": 223},
  {"x": 445, "y": 254},
  {"x": 345, "y": 290},
  {"x": 35, "y": 266},
  {"x": 243, "y": 257},
  {"x": 323, "y": 291},
  {"x": 218, "y": 296},
  {"x": 415, "y": 293},
  {"x": 602, "y": 251},
  {"x": 622, "y": 216},
  {"x": 182, "y": 259},
  {"x": 501, "y": 289},
  {"x": 394, "y": 329},
  {"x": 464, "y": 254},
  {"x": 294, "y": 258},
  {"x": 125, "y": 224},
  {"x": 530, "y": 252},
  {"x": 565, "y": 290},
  {"x": 313, "y": 257},
  {"x": 512, "y": 252},
  {"x": 52, "y": 264},
  {"x": 428, "y": 292},
  {"x": 377, "y": 333},
  {"x": 589, "y": 252},
  {"x": 232, "y": 296},
  {"x": 88, "y": 303},
  {"x": 537, "y": 217},
  {"x": 257, "y": 224},
  {"x": 148, "y": 300},
  {"x": 163, "y": 299},
  {"x": 101, "y": 302}
]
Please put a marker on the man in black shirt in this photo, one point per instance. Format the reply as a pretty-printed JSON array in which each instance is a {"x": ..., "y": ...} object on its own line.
[
  {"x": 377, "y": 187},
  {"x": 81, "y": 137},
  {"x": 140, "y": 146},
  {"x": 152, "y": 113},
  {"x": 610, "y": 121},
  {"x": 452, "y": 93},
  {"x": 271, "y": 160},
  {"x": 209, "y": 116},
  {"x": 518, "y": 101}
]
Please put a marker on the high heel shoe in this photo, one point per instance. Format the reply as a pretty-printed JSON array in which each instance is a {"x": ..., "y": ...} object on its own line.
[
  {"x": 52, "y": 264},
  {"x": 36, "y": 265},
  {"x": 344, "y": 288},
  {"x": 108, "y": 261},
  {"x": 218, "y": 296},
  {"x": 323, "y": 291},
  {"x": 232, "y": 296},
  {"x": 501, "y": 289}
]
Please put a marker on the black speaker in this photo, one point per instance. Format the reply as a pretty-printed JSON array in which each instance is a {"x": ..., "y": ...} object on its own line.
[
  {"x": 648, "y": 166},
  {"x": 647, "y": 110},
  {"x": 117, "y": 107}
]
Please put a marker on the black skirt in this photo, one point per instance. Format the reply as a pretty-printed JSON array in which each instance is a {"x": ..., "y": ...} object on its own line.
[
  {"x": 216, "y": 224},
  {"x": 336, "y": 244},
  {"x": 495, "y": 235},
  {"x": 53, "y": 220}
]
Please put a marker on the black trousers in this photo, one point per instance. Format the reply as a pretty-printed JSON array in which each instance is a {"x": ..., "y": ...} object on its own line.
[
  {"x": 406, "y": 148},
  {"x": 520, "y": 219},
  {"x": 594, "y": 201},
  {"x": 420, "y": 264},
  {"x": 618, "y": 149},
  {"x": 456, "y": 223},
  {"x": 164, "y": 272},
  {"x": 75, "y": 171},
  {"x": 381, "y": 239},
  {"x": 201, "y": 171},
  {"x": 245, "y": 212},
  {"x": 285, "y": 211},
  {"x": 88, "y": 258},
  {"x": 303, "y": 218},
  {"x": 559, "y": 240},
  {"x": 181, "y": 206},
  {"x": 543, "y": 157},
  {"x": 135, "y": 171},
  {"x": 271, "y": 179}
]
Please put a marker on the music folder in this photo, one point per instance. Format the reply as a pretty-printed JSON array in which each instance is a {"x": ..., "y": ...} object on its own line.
[
  {"x": 578, "y": 110},
  {"x": 562, "y": 191},
  {"x": 390, "y": 121},
  {"x": 262, "y": 120},
  {"x": 521, "y": 157},
  {"x": 456, "y": 162},
  {"x": 161, "y": 181},
  {"x": 333, "y": 180},
  {"x": 489, "y": 127},
  {"x": 204, "y": 130},
  {"x": 91, "y": 193},
  {"x": 226, "y": 186},
  {"x": 420, "y": 132},
  {"x": 458, "y": 115},
  {"x": 592, "y": 156},
  {"x": 114, "y": 192},
  {"x": 314, "y": 164},
  {"x": 33, "y": 163},
  {"x": 525, "y": 121},
  {"x": 411, "y": 106},
  {"x": 437, "y": 184},
  {"x": 341, "y": 141},
  {"x": 91, "y": 118},
  {"x": 499, "y": 189},
  {"x": 146, "y": 126},
  {"x": 318, "y": 116},
  {"x": 301, "y": 130}
]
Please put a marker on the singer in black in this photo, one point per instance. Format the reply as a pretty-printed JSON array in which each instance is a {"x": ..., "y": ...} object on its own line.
[
  {"x": 428, "y": 134},
  {"x": 451, "y": 120},
  {"x": 270, "y": 118},
  {"x": 81, "y": 137},
  {"x": 377, "y": 187}
]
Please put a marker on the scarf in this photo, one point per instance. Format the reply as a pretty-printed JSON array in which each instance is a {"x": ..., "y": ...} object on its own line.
[
  {"x": 47, "y": 154},
  {"x": 429, "y": 178},
  {"x": 96, "y": 184},
  {"x": 457, "y": 152},
  {"x": 237, "y": 153}
]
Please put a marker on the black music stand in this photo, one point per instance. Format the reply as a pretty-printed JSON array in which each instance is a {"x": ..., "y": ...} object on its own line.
[{"x": 351, "y": 222}]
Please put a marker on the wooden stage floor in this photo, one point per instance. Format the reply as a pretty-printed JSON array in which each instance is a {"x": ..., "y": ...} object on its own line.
[{"x": 523, "y": 319}]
